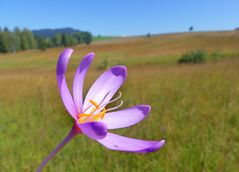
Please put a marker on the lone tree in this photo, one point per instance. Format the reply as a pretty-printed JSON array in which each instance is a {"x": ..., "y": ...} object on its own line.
[
  {"x": 190, "y": 29},
  {"x": 87, "y": 37}
]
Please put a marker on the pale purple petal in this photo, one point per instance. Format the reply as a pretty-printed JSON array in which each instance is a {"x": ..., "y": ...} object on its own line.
[
  {"x": 126, "y": 117},
  {"x": 64, "y": 91},
  {"x": 120, "y": 143},
  {"x": 79, "y": 80},
  {"x": 94, "y": 130},
  {"x": 107, "y": 84}
]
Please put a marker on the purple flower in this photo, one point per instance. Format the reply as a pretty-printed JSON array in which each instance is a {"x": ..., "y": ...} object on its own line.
[{"x": 91, "y": 116}]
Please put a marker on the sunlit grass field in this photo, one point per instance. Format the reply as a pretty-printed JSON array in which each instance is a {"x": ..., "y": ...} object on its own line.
[{"x": 194, "y": 107}]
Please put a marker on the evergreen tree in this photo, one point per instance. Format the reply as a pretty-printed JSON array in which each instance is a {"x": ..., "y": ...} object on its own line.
[
  {"x": 64, "y": 40},
  {"x": 49, "y": 43},
  {"x": 1, "y": 45},
  {"x": 68, "y": 40},
  {"x": 87, "y": 37},
  {"x": 72, "y": 40},
  {"x": 78, "y": 36},
  {"x": 24, "y": 40},
  {"x": 17, "y": 39},
  {"x": 42, "y": 44},
  {"x": 27, "y": 40},
  {"x": 5, "y": 29},
  {"x": 190, "y": 29},
  {"x": 57, "y": 40},
  {"x": 5, "y": 42},
  {"x": 10, "y": 41},
  {"x": 1, "y": 42}
]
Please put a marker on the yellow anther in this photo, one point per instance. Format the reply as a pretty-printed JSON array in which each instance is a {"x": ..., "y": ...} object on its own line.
[
  {"x": 93, "y": 110},
  {"x": 94, "y": 103},
  {"x": 99, "y": 115},
  {"x": 84, "y": 115},
  {"x": 82, "y": 118},
  {"x": 103, "y": 113}
]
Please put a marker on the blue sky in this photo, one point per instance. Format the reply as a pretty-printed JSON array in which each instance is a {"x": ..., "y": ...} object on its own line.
[{"x": 122, "y": 17}]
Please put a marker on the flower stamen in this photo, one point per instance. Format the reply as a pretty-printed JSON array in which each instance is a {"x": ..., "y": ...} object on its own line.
[
  {"x": 84, "y": 117},
  {"x": 116, "y": 107},
  {"x": 96, "y": 103},
  {"x": 114, "y": 100},
  {"x": 99, "y": 115}
]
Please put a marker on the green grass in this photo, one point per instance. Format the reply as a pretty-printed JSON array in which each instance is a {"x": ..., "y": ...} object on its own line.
[
  {"x": 194, "y": 107},
  {"x": 102, "y": 38}
]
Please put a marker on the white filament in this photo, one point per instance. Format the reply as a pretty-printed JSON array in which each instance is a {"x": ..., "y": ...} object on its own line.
[
  {"x": 115, "y": 99},
  {"x": 99, "y": 104},
  {"x": 116, "y": 107},
  {"x": 105, "y": 104}
]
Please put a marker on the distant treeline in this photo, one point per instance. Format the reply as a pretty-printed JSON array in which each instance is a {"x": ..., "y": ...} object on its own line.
[{"x": 17, "y": 39}]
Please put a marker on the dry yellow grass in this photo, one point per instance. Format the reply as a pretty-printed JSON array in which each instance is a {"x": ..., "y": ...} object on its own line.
[{"x": 135, "y": 51}]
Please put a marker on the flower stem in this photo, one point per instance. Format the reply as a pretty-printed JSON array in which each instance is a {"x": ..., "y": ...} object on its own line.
[{"x": 70, "y": 135}]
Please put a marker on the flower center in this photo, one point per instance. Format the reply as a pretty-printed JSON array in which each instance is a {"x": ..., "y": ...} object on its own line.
[
  {"x": 82, "y": 118},
  {"x": 92, "y": 116}
]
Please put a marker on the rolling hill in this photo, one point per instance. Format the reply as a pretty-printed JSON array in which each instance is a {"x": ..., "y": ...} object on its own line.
[{"x": 132, "y": 51}]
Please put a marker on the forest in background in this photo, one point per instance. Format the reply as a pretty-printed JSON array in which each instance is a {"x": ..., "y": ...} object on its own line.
[{"x": 17, "y": 40}]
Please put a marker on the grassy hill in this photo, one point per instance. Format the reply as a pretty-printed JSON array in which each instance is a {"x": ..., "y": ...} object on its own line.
[
  {"x": 194, "y": 107},
  {"x": 132, "y": 51}
]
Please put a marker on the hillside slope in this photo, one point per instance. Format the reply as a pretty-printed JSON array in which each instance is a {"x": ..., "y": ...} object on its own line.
[{"x": 132, "y": 51}]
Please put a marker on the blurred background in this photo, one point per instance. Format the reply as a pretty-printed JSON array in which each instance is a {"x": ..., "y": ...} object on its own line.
[{"x": 182, "y": 59}]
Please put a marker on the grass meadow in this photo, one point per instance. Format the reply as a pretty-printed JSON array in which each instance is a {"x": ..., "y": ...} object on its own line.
[{"x": 194, "y": 106}]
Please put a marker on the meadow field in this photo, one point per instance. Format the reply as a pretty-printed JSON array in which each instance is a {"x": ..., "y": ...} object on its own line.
[{"x": 194, "y": 106}]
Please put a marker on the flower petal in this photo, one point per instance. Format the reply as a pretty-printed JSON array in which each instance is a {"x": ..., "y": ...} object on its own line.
[
  {"x": 120, "y": 143},
  {"x": 64, "y": 91},
  {"x": 126, "y": 117},
  {"x": 107, "y": 84},
  {"x": 94, "y": 130},
  {"x": 79, "y": 80}
]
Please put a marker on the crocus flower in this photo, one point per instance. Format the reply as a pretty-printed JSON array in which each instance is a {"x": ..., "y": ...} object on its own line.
[{"x": 91, "y": 117}]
